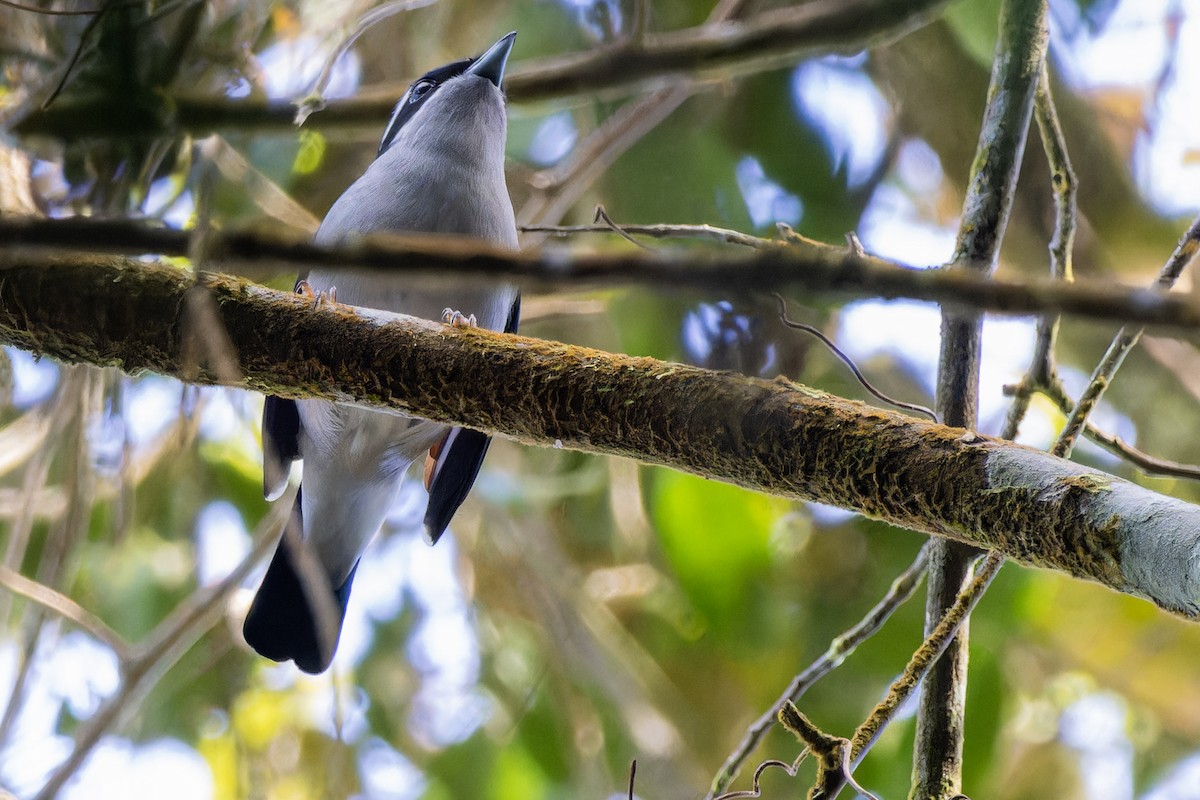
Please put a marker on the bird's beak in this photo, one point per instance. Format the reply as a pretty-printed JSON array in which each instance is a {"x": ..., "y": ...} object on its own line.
[{"x": 490, "y": 65}]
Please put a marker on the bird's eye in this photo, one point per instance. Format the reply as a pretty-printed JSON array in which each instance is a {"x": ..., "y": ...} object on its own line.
[{"x": 419, "y": 90}]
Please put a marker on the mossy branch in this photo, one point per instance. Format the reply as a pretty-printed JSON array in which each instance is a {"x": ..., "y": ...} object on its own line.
[{"x": 773, "y": 436}]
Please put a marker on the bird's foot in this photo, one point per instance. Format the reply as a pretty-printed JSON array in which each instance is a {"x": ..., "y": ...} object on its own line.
[
  {"x": 455, "y": 319},
  {"x": 328, "y": 297}
]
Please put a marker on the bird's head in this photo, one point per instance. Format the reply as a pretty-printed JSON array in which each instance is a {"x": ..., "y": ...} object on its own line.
[{"x": 459, "y": 104}]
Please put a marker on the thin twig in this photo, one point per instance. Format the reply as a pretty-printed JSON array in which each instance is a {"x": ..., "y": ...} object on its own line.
[
  {"x": 1042, "y": 371},
  {"x": 558, "y": 188},
  {"x": 710, "y": 232},
  {"x": 849, "y": 362},
  {"x": 839, "y": 650},
  {"x": 1125, "y": 340},
  {"x": 828, "y": 269},
  {"x": 1143, "y": 461},
  {"x": 925, "y": 656},
  {"x": 1056, "y": 393},
  {"x": 81, "y": 397},
  {"x": 602, "y": 216},
  {"x": 315, "y": 100},
  {"x": 173, "y": 637},
  {"x": 755, "y": 790},
  {"x": 832, "y": 752},
  {"x": 1063, "y": 182},
  {"x": 77, "y": 53},
  {"x": 64, "y": 607}
]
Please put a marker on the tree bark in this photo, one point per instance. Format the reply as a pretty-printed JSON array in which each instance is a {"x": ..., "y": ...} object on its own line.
[
  {"x": 773, "y": 436},
  {"x": 1020, "y": 52},
  {"x": 775, "y": 38}
]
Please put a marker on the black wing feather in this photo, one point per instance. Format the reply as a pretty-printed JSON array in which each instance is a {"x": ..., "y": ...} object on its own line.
[
  {"x": 514, "y": 315},
  {"x": 459, "y": 462},
  {"x": 281, "y": 437},
  {"x": 281, "y": 443}
]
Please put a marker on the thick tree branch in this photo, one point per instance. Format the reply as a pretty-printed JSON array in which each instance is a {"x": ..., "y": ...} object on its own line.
[
  {"x": 712, "y": 51},
  {"x": 811, "y": 268},
  {"x": 773, "y": 436}
]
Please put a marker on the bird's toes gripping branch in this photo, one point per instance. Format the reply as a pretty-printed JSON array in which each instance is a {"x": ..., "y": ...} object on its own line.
[
  {"x": 327, "y": 297},
  {"x": 456, "y": 319}
]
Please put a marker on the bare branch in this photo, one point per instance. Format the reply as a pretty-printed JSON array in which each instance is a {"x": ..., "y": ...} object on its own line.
[
  {"x": 1042, "y": 372},
  {"x": 706, "y": 52},
  {"x": 925, "y": 657},
  {"x": 556, "y": 189},
  {"x": 915, "y": 673},
  {"x": 64, "y": 607},
  {"x": 77, "y": 398},
  {"x": 832, "y": 752},
  {"x": 173, "y": 637},
  {"x": 1151, "y": 465},
  {"x": 813, "y": 268},
  {"x": 1125, "y": 340}
]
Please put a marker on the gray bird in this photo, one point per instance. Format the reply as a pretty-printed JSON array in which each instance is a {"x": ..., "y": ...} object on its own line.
[{"x": 440, "y": 169}]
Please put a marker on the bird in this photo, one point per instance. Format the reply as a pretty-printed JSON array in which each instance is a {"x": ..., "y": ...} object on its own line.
[{"x": 439, "y": 170}]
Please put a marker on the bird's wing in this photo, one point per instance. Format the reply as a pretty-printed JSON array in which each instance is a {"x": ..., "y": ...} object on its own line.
[
  {"x": 281, "y": 438},
  {"x": 281, "y": 443},
  {"x": 514, "y": 315},
  {"x": 458, "y": 461}
]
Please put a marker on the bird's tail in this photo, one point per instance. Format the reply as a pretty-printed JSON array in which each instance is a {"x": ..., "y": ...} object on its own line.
[{"x": 297, "y": 614}]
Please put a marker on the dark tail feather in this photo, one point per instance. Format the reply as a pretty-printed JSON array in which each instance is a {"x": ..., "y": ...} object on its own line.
[{"x": 295, "y": 614}]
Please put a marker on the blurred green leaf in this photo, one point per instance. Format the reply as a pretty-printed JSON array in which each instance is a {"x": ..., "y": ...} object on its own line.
[
  {"x": 310, "y": 154},
  {"x": 673, "y": 610},
  {"x": 716, "y": 537},
  {"x": 975, "y": 24},
  {"x": 763, "y": 121}
]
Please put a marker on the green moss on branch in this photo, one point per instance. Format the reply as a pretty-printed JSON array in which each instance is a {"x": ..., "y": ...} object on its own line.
[{"x": 773, "y": 436}]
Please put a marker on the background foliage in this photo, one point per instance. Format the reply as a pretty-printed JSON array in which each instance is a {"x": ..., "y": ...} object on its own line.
[{"x": 586, "y": 612}]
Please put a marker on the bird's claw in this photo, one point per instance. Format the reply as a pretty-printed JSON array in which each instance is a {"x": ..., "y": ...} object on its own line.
[
  {"x": 328, "y": 297},
  {"x": 456, "y": 319}
]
